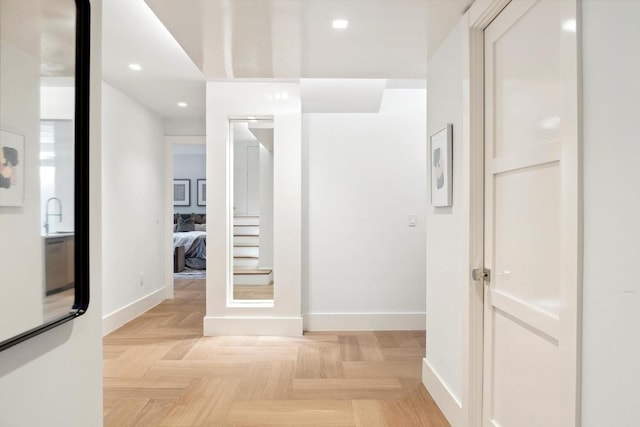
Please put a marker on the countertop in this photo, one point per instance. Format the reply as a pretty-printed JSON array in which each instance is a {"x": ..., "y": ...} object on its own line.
[{"x": 58, "y": 235}]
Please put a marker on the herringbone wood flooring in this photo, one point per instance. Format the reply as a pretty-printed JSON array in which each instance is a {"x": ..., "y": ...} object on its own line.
[{"x": 160, "y": 371}]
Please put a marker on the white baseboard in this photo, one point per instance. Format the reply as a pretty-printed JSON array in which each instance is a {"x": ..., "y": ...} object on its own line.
[
  {"x": 114, "y": 320},
  {"x": 365, "y": 321},
  {"x": 446, "y": 401},
  {"x": 278, "y": 326}
]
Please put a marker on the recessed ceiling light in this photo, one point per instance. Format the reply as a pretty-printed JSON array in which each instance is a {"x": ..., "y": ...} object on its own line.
[
  {"x": 569, "y": 25},
  {"x": 182, "y": 104},
  {"x": 340, "y": 24},
  {"x": 135, "y": 67}
]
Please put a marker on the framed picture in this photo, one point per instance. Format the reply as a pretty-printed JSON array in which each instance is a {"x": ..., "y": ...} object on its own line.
[
  {"x": 12, "y": 171},
  {"x": 181, "y": 192},
  {"x": 442, "y": 167},
  {"x": 202, "y": 192}
]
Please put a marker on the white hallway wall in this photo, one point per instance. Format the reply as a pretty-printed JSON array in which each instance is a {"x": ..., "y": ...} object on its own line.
[
  {"x": 611, "y": 315},
  {"x": 363, "y": 174},
  {"x": 447, "y": 228},
  {"x": 55, "y": 379},
  {"x": 133, "y": 208}
]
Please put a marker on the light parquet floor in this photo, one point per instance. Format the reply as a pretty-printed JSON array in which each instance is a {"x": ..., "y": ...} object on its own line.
[{"x": 160, "y": 371}]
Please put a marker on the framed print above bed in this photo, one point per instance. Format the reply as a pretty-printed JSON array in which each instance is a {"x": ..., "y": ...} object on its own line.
[
  {"x": 181, "y": 192},
  {"x": 202, "y": 192}
]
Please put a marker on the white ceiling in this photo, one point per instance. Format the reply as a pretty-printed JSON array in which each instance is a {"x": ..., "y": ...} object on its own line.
[
  {"x": 46, "y": 31},
  {"x": 242, "y": 133},
  {"x": 387, "y": 39},
  {"x": 269, "y": 39},
  {"x": 133, "y": 34},
  {"x": 263, "y": 131}
]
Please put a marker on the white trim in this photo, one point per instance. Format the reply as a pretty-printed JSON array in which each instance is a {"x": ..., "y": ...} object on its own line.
[
  {"x": 251, "y": 303},
  {"x": 121, "y": 316},
  {"x": 441, "y": 394},
  {"x": 365, "y": 321},
  {"x": 479, "y": 16},
  {"x": 238, "y": 325},
  {"x": 482, "y": 12},
  {"x": 168, "y": 219},
  {"x": 473, "y": 335}
]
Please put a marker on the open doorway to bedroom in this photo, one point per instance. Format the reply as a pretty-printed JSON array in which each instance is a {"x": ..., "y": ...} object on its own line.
[
  {"x": 185, "y": 211},
  {"x": 189, "y": 205}
]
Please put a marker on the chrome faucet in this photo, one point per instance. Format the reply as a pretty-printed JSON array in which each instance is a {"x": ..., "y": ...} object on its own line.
[{"x": 47, "y": 215}]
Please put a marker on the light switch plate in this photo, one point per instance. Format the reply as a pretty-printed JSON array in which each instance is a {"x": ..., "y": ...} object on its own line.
[{"x": 413, "y": 220}]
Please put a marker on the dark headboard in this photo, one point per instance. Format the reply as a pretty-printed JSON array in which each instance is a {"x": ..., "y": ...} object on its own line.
[{"x": 198, "y": 218}]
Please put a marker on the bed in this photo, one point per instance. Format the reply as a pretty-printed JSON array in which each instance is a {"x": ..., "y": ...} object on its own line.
[
  {"x": 194, "y": 242},
  {"x": 195, "y": 248}
]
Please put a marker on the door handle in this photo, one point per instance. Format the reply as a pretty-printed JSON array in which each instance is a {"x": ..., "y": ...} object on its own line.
[{"x": 481, "y": 274}]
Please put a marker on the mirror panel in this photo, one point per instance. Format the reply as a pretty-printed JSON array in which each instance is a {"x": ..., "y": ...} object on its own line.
[
  {"x": 251, "y": 247},
  {"x": 44, "y": 66}
]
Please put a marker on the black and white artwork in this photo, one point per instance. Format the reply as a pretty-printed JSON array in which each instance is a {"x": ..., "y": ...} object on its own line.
[
  {"x": 202, "y": 192},
  {"x": 181, "y": 192},
  {"x": 441, "y": 167},
  {"x": 11, "y": 169}
]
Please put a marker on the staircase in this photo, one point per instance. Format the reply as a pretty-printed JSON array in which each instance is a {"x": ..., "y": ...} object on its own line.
[{"x": 246, "y": 253}]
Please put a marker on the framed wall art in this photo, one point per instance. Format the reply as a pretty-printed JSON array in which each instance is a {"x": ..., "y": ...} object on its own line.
[
  {"x": 11, "y": 169},
  {"x": 202, "y": 192},
  {"x": 441, "y": 166},
  {"x": 181, "y": 192}
]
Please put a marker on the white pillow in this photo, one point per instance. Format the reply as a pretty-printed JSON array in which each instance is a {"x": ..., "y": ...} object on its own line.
[{"x": 200, "y": 227}]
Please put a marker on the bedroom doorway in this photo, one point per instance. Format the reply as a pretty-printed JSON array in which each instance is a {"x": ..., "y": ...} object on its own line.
[{"x": 186, "y": 195}]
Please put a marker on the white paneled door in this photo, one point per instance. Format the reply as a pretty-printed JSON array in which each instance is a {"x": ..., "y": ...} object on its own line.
[{"x": 532, "y": 217}]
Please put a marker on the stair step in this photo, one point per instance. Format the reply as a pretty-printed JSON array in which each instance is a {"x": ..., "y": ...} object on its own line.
[
  {"x": 246, "y": 251},
  {"x": 249, "y": 271},
  {"x": 253, "y": 277},
  {"x": 246, "y": 220},
  {"x": 246, "y": 262},
  {"x": 245, "y": 245},
  {"x": 246, "y": 230},
  {"x": 246, "y": 240}
]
